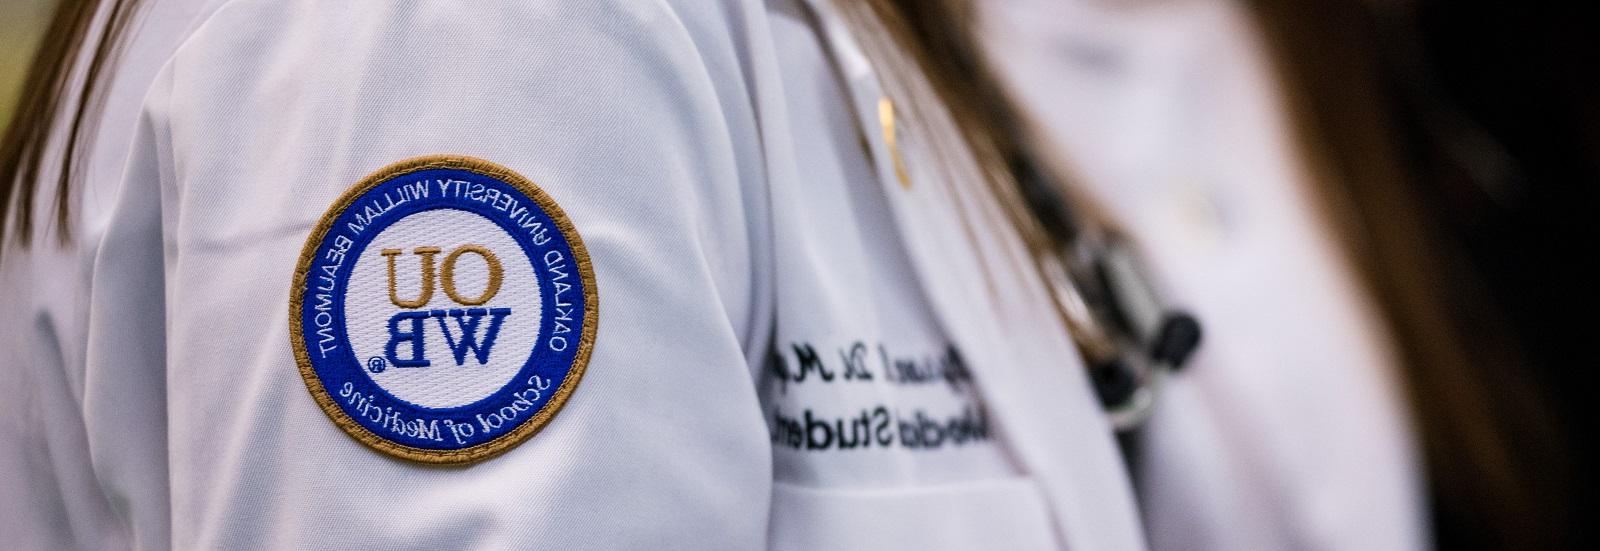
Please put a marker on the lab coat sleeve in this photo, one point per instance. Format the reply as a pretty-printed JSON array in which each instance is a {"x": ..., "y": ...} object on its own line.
[{"x": 632, "y": 124}]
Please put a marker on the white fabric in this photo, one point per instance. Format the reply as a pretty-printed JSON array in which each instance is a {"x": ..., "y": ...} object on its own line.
[
  {"x": 1288, "y": 431},
  {"x": 708, "y": 153},
  {"x": 1008, "y": 515}
]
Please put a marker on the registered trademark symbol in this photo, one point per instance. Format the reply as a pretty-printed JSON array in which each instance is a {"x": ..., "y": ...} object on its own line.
[{"x": 376, "y": 364}]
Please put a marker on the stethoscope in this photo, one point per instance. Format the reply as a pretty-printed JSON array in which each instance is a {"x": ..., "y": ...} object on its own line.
[{"x": 1129, "y": 337}]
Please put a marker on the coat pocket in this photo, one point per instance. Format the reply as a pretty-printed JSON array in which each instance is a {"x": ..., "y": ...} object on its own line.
[{"x": 992, "y": 514}]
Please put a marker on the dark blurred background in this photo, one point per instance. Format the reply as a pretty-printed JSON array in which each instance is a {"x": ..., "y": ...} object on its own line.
[{"x": 1500, "y": 112}]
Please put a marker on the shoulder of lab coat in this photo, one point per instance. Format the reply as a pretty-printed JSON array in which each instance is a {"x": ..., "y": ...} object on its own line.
[{"x": 633, "y": 116}]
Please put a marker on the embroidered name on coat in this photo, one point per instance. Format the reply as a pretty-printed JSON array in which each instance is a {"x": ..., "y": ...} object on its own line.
[{"x": 443, "y": 310}]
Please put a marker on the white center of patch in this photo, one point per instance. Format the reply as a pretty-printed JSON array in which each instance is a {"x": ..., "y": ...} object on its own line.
[{"x": 462, "y": 364}]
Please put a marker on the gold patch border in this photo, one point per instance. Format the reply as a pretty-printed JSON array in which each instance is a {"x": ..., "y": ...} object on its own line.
[{"x": 504, "y": 442}]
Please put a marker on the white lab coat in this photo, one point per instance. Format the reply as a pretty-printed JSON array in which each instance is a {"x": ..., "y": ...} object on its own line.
[
  {"x": 709, "y": 153},
  {"x": 1289, "y": 430}
]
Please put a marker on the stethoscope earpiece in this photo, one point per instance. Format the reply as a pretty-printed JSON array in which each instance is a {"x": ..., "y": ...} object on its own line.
[
  {"x": 1129, "y": 337},
  {"x": 1177, "y": 340}
]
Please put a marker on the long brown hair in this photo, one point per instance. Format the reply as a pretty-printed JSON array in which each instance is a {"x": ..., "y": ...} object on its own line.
[
  {"x": 58, "y": 98},
  {"x": 1494, "y": 457},
  {"x": 946, "y": 50}
]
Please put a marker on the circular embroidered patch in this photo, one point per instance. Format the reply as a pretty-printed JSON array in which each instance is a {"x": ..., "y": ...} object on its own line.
[{"x": 443, "y": 310}]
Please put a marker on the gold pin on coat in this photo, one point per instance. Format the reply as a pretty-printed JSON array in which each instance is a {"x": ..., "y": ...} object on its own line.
[{"x": 886, "y": 119}]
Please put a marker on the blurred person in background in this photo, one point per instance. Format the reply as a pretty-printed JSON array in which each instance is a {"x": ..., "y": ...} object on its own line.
[
  {"x": 1377, "y": 272},
  {"x": 1291, "y": 430}
]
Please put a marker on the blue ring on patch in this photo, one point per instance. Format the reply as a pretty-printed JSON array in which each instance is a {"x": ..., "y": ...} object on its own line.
[{"x": 339, "y": 380}]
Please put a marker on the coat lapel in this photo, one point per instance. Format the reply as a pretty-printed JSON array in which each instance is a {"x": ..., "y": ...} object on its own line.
[{"x": 992, "y": 305}]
